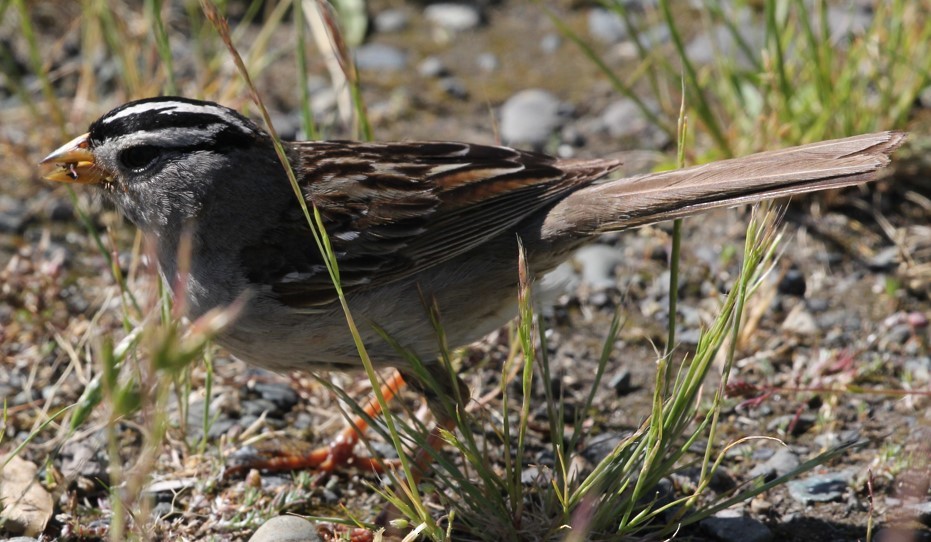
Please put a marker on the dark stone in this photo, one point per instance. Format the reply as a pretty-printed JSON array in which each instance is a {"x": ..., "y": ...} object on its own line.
[
  {"x": 736, "y": 529},
  {"x": 819, "y": 488},
  {"x": 281, "y": 395},
  {"x": 621, "y": 383},
  {"x": 793, "y": 283}
]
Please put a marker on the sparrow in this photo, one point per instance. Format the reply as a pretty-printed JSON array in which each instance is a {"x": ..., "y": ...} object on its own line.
[{"x": 408, "y": 222}]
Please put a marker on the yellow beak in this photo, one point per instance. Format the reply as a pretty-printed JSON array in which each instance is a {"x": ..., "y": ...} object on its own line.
[{"x": 76, "y": 163}]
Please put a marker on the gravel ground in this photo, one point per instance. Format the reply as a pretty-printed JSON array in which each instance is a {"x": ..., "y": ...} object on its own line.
[{"x": 838, "y": 352}]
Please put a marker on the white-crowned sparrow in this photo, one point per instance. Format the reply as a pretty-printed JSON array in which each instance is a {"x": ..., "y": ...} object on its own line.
[{"x": 408, "y": 221}]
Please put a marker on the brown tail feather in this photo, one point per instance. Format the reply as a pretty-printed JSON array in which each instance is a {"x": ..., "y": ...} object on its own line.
[{"x": 631, "y": 202}]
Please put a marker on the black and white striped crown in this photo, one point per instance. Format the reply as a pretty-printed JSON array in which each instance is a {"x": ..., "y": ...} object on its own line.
[{"x": 175, "y": 117}]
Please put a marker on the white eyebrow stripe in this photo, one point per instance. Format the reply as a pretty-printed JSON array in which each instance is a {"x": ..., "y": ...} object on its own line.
[
  {"x": 172, "y": 137},
  {"x": 169, "y": 108}
]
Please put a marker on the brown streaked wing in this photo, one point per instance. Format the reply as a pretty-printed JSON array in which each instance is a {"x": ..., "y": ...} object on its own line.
[{"x": 394, "y": 209}]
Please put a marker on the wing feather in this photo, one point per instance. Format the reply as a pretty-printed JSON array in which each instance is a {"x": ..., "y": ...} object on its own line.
[{"x": 395, "y": 209}]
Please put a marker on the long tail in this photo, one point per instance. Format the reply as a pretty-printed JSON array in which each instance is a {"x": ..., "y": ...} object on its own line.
[{"x": 631, "y": 202}]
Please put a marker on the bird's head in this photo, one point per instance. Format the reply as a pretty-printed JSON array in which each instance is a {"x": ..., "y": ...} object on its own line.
[{"x": 156, "y": 158}]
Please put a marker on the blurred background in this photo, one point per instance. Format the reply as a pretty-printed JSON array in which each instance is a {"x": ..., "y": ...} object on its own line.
[{"x": 846, "y": 308}]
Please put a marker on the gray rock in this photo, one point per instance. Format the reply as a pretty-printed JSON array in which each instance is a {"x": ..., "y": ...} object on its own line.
[
  {"x": 13, "y": 215},
  {"x": 624, "y": 119},
  {"x": 380, "y": 57},
  {"x": 800, "y": 321},
  {"x": 780, "y": 463},
  {"x": 606, "y": 26},
  {"x": 487, "y": 62},
  {"x": 323, "y": 102},
  {"x": 924, "y": 98},
  {"x": 884, "y": 260},
  {"x": 557, "y": 282},
  {"x": 921, "y": 512},
  {"x": 736, "y": 528},
  {"x": 621, "y": 383},
  {"x": 817, "y": 304},
  {"x": 795, "y": 425},
  {"x": 848, "y": 21},
  {"x": 163, "y": 509},
  {"x": 655, "y": 36},
  {"x": 61, "y": 211},
  {"x": 597, "y": 263},
  {"x": 286, "y": 125},
  {"x": 720, "y": 42},
  {"x": 530, "y": 117},
  {"x": 534, "y": 476},
  {"x": 919, "y": 368},
  {"x": 258, "y": 406},
  {"x": 899, "y": 334},
  {"x": 600, "y": 446},
  {"x": 820, "y": 487},
  {"x": 550, "y": 43},
  {"x": 454, "y": 87},
  {"x": 432, "y": 67},
  {"x": 831, "y": 439},
  {"x": 391, "y": 20},
  {"x": 279, "y": 394},
  {"x": 84, "y": 458},
  {"x": 220, "y": 422},
  {"x": 286, "y": 529},
  {"x": 689, "y": 336},
  {"x": 455, "y": 17}
]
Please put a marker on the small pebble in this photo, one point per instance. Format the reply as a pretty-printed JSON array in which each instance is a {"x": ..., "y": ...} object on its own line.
[
  {"x": 391, "y": 20},
  {"x": 598, "y": 263},
  {"x": 792, "y": 283},
  {"x": 796, "y": 425},
  {"x": 625, "y": 119},
  {"x": 279, "y": 394},
  {"x": 13, "y": 215},
  {"x": 847, "y": 21},
  {"x": 550, "y": 43},
  {"x": 431, "y": 67},
  {"x": 455, "y": 17},
  {"x": 601, "y": 445},
  {"x": 919, "y": 368},
  {"x": 454, "y": 87},
  {"x": 737, "y": 529},
  {"x": 487, "y": 62},
  {"x": 621, "y": 383},
  {"x": 286, "y": 529},
  {"x": 61, "y": 211},
  {"x": 536, "y": 477},
  {"x": 782, "y": 462},
  {"x": 721, "y": 43},
  {"x": 655, "y": 36},
  {"x": 380, "y": 57},
  {"x": 801, "y": 322},
  {"x": 530, "y": 117},
  {"x": 924, "y": 97},
  {"x": 606, "y": 26},
  {"x": 884, "y": 260}
]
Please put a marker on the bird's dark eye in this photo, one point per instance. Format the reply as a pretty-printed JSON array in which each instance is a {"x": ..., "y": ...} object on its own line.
[{"x": 139, "y": 157}]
